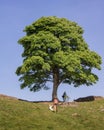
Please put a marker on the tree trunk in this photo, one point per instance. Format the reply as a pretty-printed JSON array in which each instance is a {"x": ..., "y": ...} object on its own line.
[
  {"x": 54, "y": 93},
  {"x": 55, "y": 82}
]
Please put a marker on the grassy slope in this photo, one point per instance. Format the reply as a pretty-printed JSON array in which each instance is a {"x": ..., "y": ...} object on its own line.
[{"x": 21, "y": 115}]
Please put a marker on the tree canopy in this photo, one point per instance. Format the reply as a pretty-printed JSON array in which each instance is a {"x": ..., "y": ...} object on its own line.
[{"x": 55, "y": 51}]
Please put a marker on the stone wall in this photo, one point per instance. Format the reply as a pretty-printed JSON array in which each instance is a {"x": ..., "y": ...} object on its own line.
[{"x": 88, "y": 98}]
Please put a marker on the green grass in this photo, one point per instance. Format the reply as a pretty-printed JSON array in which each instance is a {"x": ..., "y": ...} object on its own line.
[{"x": 21, "y": 115}]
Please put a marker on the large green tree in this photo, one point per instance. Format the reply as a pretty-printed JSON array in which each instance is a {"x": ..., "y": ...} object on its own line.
[{"x": 55, "y": 51}]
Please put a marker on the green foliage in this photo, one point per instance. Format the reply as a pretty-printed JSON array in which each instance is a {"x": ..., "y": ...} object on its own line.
[
  {"x": 53, "y": 43},
  {"x": 20, "y": 115}
]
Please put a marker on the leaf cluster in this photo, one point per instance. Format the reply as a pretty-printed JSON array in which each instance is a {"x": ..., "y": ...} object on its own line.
[{"x": 52, "y": 42}]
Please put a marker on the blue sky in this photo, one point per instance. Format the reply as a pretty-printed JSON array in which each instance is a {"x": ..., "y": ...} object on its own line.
[{"x": 16, "y": 14}]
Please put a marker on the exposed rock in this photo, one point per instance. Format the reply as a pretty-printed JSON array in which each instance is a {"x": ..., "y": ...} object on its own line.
[{"x": 76, "y": 115}]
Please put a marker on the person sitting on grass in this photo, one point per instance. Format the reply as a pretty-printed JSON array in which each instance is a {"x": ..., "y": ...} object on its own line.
[{"x": 53, "y": 107}]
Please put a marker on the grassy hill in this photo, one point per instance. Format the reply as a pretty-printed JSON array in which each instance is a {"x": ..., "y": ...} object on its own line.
[{"x": 22, "y": 115}]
